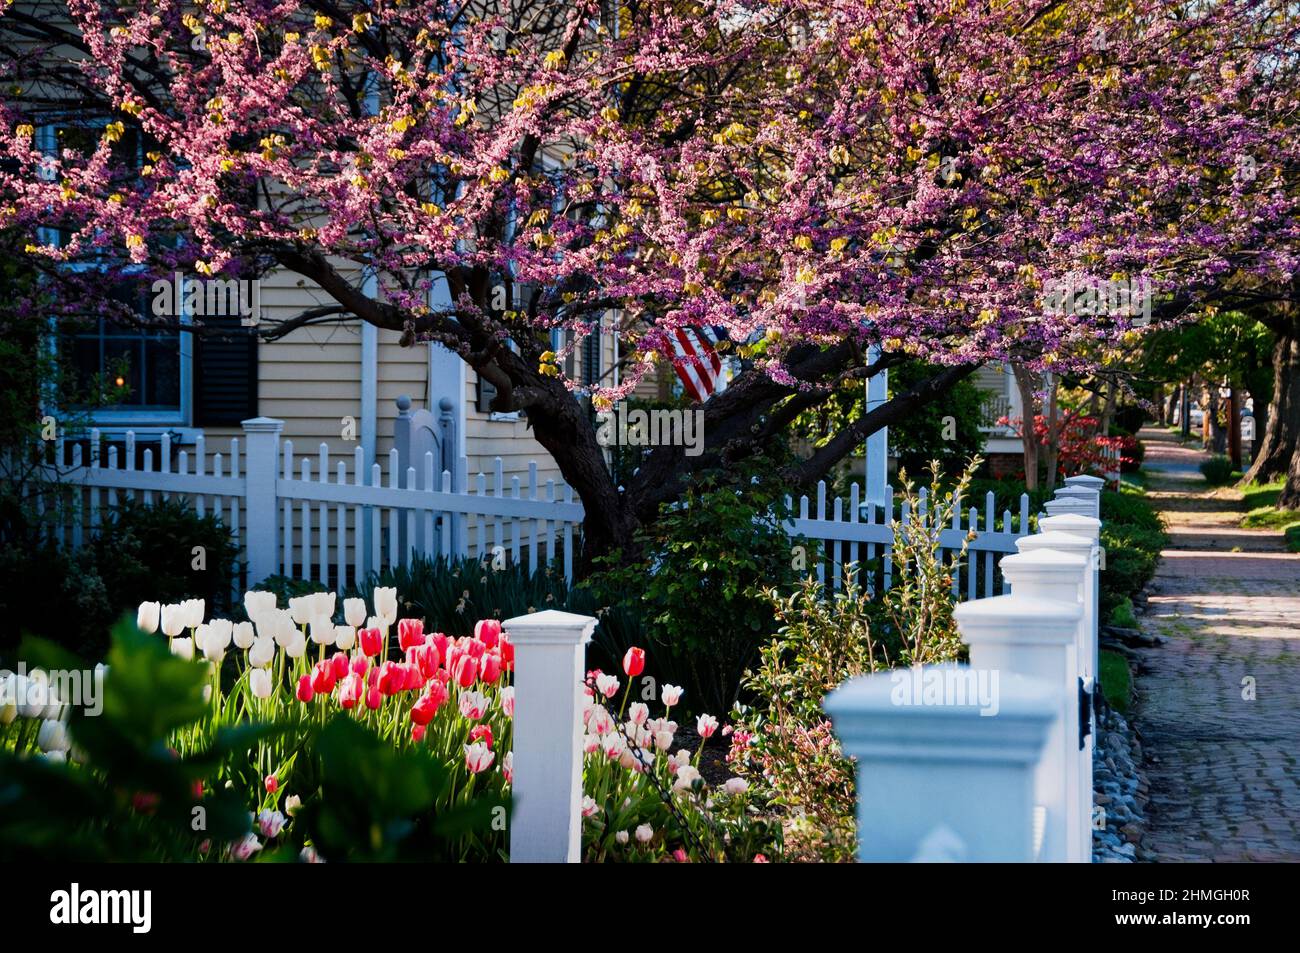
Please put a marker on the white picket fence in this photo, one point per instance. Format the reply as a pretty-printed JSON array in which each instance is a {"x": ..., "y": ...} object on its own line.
[
  {"x": 329, "y": 518},
  {"x": 319, "y": 517},
  {"x": 994, "y": 764},
  {"x": 861, "y": 535}
]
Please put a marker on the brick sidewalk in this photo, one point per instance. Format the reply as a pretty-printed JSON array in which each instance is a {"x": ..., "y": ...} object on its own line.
[{"x": 1222, "y": 769}]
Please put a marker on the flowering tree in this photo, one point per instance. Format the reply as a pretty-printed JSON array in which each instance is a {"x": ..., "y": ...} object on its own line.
[{"x": 818, "y": 178}]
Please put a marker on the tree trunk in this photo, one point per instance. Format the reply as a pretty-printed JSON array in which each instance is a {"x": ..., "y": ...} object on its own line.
[
  {"x": 1218, "y": 435},
  {"x": 1053, "y": 431},
  {"x": 1281, "y": 435},
  {"x": 1290, "y": 497},
  {"x": 1025, "y": 385}
]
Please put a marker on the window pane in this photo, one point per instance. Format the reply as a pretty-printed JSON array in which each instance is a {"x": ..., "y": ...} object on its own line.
[
  {"x": 163, "y": 372},
  {"x": 122, "y": 367}
]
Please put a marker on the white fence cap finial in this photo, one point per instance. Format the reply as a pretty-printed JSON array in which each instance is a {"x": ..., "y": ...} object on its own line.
[
  {"x": 1086, "y": 480},
  {"x": 1075, "y": 523},
  {"x": 550, "y": 626},
  {"x": 1055, "y": 539}
]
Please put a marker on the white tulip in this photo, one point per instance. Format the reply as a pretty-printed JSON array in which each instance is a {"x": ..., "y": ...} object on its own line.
[
  {"x": 52, "y": 736},
  {"x": 322, "y": 630},
  {"x": 285, "y": 629},
  {"x": 345, "y": 637},
  {"x": 183, "y": 648},
  {"x": 644, "y": 833},
  {"x": 354, "y": 611},
  {"x": 173, "y": 620},
  {"x": 222, "y": 630},
  {"x": 323, "y": 603},
  {"x": 300, "y": 609},
  {"x": 386, "y": 604},
  {"x": 262, "y": 653},
  {"x": 296, "y": 645},
  {"x": 257, "y": 601},
  {"x": 195, "y": 609},
  {"x": 621, "y": 837},
  {"x": 146, "y": 617},
  {"x": 291, "y": 804},
  {"x": 243, "y": 635},
  {"x": 259, "y": 682},
  {"x": 56, "y": 757}
]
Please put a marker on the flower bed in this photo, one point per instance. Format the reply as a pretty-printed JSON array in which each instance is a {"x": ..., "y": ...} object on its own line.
[{"x": 379, "y": 687}]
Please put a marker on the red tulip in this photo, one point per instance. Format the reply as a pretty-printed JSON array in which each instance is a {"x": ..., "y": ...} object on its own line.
[
  {"x": 410, "y": 633},
  {"x": 373, "y": 699},
  {"x": 417, "y": 733},
  {"x": 488, "y": 631},
  {"x": 437, "y": 691},
  {"x": 372, "y": 641},
  {"x": 481, "y": 732},
  {"x": 466, "y": 671},
  {"x": 322, "y": 678},
  {"x": 491, "y": 667},
  {"x": 507, "y": 653},
  {"x": 440, "y": 642},
  {"x": 340, "y": 663},
  {"x": 360, "y": 664},
  {"x": 272, "y": 784},
  {"x": 305, "y": 693},
  {"x": 426, "y": 658},
  {"x": 392, "y": 679},
  {"x": 425, "y": 707},
  {"x": 350, "y": 691},
  {"x": 634, "y": 662}
]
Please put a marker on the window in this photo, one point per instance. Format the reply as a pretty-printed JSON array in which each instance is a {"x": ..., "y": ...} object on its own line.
[
  {"x": 144, "y": 373},
  {"x": 139, "y": 369}
]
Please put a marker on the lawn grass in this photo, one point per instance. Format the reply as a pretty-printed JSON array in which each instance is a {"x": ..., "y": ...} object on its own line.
[
  {"x": 1116, "y": 680},
  {"x": 1260, "y": 502}
]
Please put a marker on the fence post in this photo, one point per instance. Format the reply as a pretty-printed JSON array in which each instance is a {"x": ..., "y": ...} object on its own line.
[
  {"x": 1055, "y": 574},
  {"x": 950, "y": 779},
  {"x": 547, "y": 789},
  {"x": 1027, "y": 635},
  {"x": 261, "y": 453}
]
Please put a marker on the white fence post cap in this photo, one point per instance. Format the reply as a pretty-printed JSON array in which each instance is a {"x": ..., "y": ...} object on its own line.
[
  {"x": 550, "y": 627},
  {"x": 1077, "y": 490},
  {"x": 1075, "y": 523},
  {"x": 1018, "y": 620},
  {"x": 1086, "y": 480},
  {"x": 1055, "y": 539},
  {"x": 1050, "y": 566},
  {"x": 1069, "y": 504},
  {"x": 873, "y": 721},
  {"x": 262, "y": 425}
]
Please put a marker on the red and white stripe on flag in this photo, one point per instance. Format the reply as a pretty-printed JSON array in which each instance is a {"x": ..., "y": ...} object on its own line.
[{"x": 697, "y": 363}]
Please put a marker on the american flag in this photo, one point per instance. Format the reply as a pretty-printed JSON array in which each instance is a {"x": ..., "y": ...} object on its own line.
[{"x": 697, "y": 362}]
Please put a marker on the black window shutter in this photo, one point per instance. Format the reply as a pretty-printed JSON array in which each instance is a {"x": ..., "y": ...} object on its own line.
[{"x": 225, "y": 373}]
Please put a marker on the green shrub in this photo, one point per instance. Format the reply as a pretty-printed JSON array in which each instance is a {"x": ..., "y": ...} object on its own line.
[
  {"x": 1116, "y": 680},
  {"x": 1123, "y": 616},
  {"x": 696, "y": 580},
  {"x": 1217, "y": 470},
  {"x": 142, "y": 553},
  {"x": 1131, "y": 509},
  {"x": 165, "y": 552}
]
